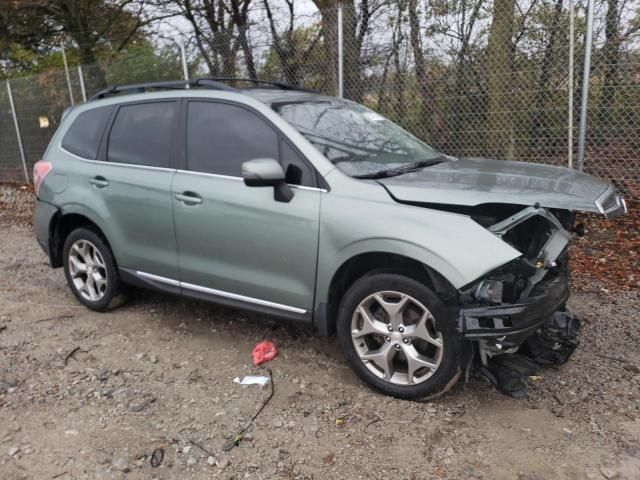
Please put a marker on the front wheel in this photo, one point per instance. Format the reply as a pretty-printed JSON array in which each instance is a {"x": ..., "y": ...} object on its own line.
[
  {"x": 90, "y": 269},
  {"x": 389, "y": 330}
]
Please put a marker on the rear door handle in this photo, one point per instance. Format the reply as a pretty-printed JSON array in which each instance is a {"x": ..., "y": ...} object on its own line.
[
  {"x": 98, "y": 182},
  {"x": 189, "y": 198}
]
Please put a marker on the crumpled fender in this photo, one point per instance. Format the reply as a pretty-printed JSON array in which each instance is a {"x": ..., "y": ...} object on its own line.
[{"x": 452, "y": 244}]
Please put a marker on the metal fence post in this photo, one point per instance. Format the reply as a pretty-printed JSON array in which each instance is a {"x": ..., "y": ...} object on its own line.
[
  {"x": 66, "y": 71},
  {"x": 15, "y": 123},
  {"x": 585, "y": 85},
  {"x": 340, "y": 54},
  {"x": 82, "y": 89},
  {"x": 183, "y": 55},
  {"x": 571, "y": 52}
]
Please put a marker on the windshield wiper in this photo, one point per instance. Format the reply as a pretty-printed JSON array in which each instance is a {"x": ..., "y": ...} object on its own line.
[{"x": 409, "y": 167}]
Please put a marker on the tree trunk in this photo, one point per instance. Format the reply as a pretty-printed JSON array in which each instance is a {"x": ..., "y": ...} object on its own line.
[
  {"x": 431, "y": 125},
  {"x": 95, "y": 78},
  {"x": 353, "y": 88},
  {"x": 499, "y": 77},
  {"x": 542, "y": 95},
  {"x": 329, "y": 17},
  {"x": 461, "y": 105},
  {"x": 610, "y": 55}
]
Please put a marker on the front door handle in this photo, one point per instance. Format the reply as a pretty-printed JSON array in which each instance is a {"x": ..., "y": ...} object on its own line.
[
  {"x": 189, "y": 198},
  {"x": 98, "y": 181}
]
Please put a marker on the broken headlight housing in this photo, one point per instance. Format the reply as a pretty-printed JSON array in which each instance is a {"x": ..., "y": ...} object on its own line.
[
  {"x": 542, "y": 237},
  {"x": 611, "y": 204}
]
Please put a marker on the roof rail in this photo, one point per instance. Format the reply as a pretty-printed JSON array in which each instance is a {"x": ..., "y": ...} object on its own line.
[
  {"x": 166, "y": 85},
  {"x": 255, "y": 81}
]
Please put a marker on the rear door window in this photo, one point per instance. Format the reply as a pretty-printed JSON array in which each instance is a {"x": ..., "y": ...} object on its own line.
[
  {"x": 84, "y": 135},
  {"x": 141, "y": 134}
]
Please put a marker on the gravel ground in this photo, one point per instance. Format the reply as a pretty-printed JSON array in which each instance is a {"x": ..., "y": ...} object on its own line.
[{"x": 88, "y": 395}]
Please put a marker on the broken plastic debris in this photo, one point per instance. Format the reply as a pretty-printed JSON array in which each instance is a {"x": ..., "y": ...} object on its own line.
[
  {"x": 252, "y": 380},
  {"x": 264, "y": 352}
]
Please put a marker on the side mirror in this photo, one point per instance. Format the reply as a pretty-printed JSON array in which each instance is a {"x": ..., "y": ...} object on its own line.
[{"x": 267, "y": 172}]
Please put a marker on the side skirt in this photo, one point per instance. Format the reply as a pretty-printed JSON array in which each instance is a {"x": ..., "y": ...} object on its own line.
[{"x": 174, "y": 287}]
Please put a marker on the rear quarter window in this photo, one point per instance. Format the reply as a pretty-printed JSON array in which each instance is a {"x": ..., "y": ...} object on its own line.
[{"x": 84, "y": 135}]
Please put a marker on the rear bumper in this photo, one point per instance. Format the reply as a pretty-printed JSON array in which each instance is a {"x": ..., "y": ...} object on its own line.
[
  {"x": 514, "y": 321},
  {"x": 42, "y": 216}
]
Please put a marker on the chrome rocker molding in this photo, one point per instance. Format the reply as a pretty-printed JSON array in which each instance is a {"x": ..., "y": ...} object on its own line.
[{"x": 170, "y": 285}]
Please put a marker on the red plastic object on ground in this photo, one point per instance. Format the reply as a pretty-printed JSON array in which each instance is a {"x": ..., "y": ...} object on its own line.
[{"x": 264, "y": 352}]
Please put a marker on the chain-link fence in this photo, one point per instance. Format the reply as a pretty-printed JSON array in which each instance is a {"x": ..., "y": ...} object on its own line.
[{"x": 482, "y": 78}]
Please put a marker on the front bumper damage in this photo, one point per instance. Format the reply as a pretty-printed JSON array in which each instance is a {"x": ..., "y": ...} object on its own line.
[
  {"x": 514, "y": 300},
  {"x": 512, "y": 323},
  {"x": 519, "y": 304}
]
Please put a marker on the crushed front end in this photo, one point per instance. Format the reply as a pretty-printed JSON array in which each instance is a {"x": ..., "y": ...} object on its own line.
[
  {"x": 523, "y": 302},
  {"x": 511, "y": 301}
]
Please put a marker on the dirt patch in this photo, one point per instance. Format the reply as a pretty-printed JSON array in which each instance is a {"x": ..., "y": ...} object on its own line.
[{"x": 87, "y": 395}]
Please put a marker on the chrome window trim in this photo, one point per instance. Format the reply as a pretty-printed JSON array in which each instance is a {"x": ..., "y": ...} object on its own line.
[
  {"x": 166, "y": 169},
  {"x": 102, "y": 162},
  {"x": 231, "y": 177},
  {"x": 220, "y": 293},
  {"x": 214, "y": 175}
]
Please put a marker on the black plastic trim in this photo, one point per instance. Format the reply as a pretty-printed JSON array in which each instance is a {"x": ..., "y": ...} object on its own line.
[
  {"x": 321, "y": 321},
  {"x": 527, "y": 315}
]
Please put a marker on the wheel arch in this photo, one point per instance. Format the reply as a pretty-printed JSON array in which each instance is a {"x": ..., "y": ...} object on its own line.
[
  {"x": 366, "y": 263},
  {"x": 62, "y": 225}
]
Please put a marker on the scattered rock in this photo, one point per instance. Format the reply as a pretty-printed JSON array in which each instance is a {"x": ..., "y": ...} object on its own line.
[
  {"x": 139, "y": 406},
  {"x": 121, "y": 463},
  {"x": 6, "y": 386},
  {"x": 630, "y": 367},
  {"x": 211, "y": 460},
  {"x": 223, "y": 463},
  {"x": 13, "y": 451},
  {"x": 567, "y": 433},
  {"x": 609, "y": 473},
  {"x": 191, "y": 461}
]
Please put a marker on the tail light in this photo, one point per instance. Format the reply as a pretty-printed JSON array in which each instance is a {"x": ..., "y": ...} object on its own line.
[{"x": 40, "y": 170}]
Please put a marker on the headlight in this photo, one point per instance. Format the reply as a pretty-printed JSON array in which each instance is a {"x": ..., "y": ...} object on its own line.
[{"x": 611, "y": 204}]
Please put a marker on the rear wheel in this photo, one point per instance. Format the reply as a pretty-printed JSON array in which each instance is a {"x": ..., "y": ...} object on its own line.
[
  {"x": 90, "y": 269},
  {"x": 389, "y": 330}
]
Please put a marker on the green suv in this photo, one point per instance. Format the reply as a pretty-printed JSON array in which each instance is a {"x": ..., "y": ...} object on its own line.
[{"x": 313, "y": 209}]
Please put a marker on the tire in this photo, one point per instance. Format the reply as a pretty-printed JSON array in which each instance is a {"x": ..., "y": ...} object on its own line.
[
  {"x": 429, "y": 344},
  {"x": 84, "y": 244}
]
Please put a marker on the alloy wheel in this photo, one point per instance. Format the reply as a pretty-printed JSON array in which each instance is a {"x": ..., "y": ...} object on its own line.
[
  {"x": 87, "y": 270},
  {"x": 395, "y": 337}
]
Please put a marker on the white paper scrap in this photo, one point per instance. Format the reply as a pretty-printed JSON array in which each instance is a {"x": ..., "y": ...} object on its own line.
[{"x": 252, "y": 380}]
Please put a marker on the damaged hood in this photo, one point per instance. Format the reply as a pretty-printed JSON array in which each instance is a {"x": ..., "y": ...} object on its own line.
[{"x": 474, "y": 181}]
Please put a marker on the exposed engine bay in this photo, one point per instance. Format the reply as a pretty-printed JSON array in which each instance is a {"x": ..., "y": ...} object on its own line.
[{"x": 522, "y": 304}]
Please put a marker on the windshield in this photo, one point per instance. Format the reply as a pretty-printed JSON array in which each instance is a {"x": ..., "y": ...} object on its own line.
[{"x": 356, "y": 139}]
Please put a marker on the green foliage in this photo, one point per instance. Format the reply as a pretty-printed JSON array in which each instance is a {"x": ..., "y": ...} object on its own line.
[{"x": 141, "y": 62}]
